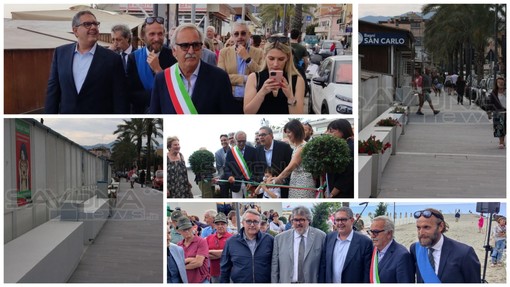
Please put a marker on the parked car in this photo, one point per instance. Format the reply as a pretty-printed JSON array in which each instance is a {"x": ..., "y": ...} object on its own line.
[
  {"x": 331, "y": 87},
  {"x": 325, "y": 48},
  {"x": 471, "y": 88},
  {"x": 485, "y": 86},
  {"x": 157, "y": 181}
]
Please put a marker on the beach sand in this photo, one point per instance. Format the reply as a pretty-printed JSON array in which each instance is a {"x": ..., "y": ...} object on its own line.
[{"x": 465, "y": 231}]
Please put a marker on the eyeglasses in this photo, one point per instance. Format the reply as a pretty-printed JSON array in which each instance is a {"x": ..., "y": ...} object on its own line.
[
  {"x": 88, "y": 25},
  {"x": 274, "y": 39},
  {"x": 185, "y": 46},
  {"x": 343, "y": 220},
  {"x": 243, "y": 33},
  {"x": 427, "y": 214},
  {"x": 250, "y": 222},
  {"x": 262, "y": 135},
  {"x": 230, "y": 138},
  {"x": 151, "y": 20},
  {"x": 299, "y": 220},
  {"x": 215, "y": 43},
  {"x": 375, "y": 232},
  {"x": 241, "y": 141}
]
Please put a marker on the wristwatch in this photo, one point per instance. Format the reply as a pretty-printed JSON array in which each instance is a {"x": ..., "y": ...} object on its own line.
[
  {"x": 292, "y": 104},
  {"x": 248, "y": 60}
]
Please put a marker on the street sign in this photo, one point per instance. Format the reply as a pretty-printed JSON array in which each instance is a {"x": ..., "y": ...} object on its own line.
[{"x": 382, "y": 39}]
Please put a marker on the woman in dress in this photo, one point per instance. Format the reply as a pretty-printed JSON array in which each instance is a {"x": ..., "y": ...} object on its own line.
[
  {"x": 498, "y": 106},
  {"x": 177, "y": 173},
  {"x": 298, "y": 176},
  {"x": 266, "y": 95}
]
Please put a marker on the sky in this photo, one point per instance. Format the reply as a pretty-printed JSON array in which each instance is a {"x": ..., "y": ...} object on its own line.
[
  {"x": 387, "y": 9},
  {"x": 204, "y": 131},
  {"x": 8, "y": 8},
  {"x": 86, "y": 131}
]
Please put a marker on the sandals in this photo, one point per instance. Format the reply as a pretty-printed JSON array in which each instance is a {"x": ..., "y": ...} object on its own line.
[{"x": 501, "y": 146}]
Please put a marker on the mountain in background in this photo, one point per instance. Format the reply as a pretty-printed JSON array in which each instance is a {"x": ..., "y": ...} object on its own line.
[
  {"x": 108, "y": 145},
  {"x": 376, "y": 19}
]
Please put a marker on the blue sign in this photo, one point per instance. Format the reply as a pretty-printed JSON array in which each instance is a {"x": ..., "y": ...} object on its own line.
[
  {"x": 382, "y": 39},
  {"x": 308, "y": 18},
  {"x": 237, "y": 18}
]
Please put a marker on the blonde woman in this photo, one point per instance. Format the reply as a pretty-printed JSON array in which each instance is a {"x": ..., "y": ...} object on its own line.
[{"x": 278, "y": 88}]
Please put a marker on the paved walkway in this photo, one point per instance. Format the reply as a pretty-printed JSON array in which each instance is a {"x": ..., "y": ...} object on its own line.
[
  {"x": 451, "y": 155},
  {"x": 129, "y": 248}
]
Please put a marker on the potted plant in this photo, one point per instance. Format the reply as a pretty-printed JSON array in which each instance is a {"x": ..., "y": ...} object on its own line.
[
  {"x": 373, "y": 147},
  {"x": 202, "y": 165},
  {"x": 395, "y": 126},
  {"x": 326, "y": 154},
  {"x": 388, "y": 122}
]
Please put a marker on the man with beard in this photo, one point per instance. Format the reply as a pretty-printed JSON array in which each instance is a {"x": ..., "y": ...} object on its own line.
[
  {"x": 191, "y": 86},
  {"x": 390, "y": 260},
  {"x": 297, "y": 252},
  {"x": 346, "y": 254},
  {"x": 246, "y": 257},
  {"x": 438, "y": 258},
  {"x": 85, "y": 78},
  {"x": 272, "y": 153},
  {"x": 239, "y": 61},
  {"x": 144, "y": 63}
]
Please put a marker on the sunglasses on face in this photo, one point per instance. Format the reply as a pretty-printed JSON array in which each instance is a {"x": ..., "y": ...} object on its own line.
[
  {"x": 375, "y": 232},
  {"x": 283, "y": 40},
  {"x": 185, "y": 46},
  {"x": 88, "y": 25},
  {"x": 242, "y": 33},
  {"x": 426, "y": 214},
  {"x": 241, "y": 142},
  {"x": 159, "y": 20},
  {"x": 343, "y": 220},
  {"x": 250, "y": 222},
  {"x": 262, "y": 135}
]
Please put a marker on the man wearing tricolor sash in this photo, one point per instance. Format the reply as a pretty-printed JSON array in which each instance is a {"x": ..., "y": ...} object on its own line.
[
  {"x": 191, "y": 86},
  {"x": 391, "y": 262},
  {"x": 438, "y": 258},
  {"x": 239, "y": 166}
]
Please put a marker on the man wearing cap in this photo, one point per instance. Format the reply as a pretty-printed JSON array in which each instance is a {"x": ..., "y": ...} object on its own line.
[
  {"x": 438, "y": 258},
  {"x": 196, "y": 252},
  {"x": 297, "y": 252},
  {"x": 209, "y": 217},
  {"x": 390, "y": 261},
  {"x": 246, "y": 257},
  {"x": 216, "y": 243},
  {"x": 175, "y": 236},
  {"x": 176, "y": 269}
]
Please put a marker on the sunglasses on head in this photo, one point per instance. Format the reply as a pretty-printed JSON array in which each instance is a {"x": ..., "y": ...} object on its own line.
[
  {"x": 150, "y": 20},
  {"x": 185, "y": 46},
  {"x": 279, "y": 39},
  {"x": 427, "y": 214},
  {"x": 242, "y": 33}
]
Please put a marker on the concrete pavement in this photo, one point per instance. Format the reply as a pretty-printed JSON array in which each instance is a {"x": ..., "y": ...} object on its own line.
[
  {"x": 451, "y": 155},
  {"x": 129, "y": 248}
]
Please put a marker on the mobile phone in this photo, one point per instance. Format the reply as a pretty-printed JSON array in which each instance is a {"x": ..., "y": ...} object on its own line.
[{"x": 276, "y": 74}]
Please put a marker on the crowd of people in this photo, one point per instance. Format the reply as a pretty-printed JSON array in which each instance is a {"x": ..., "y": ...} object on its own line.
[
  {"x": 268, "y": 168},
  {"x": 192, "y": 74},
  {"x": 301, "y": 253}
]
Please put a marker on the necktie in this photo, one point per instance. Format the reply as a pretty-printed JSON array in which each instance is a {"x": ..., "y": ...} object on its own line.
[
  {"x": 431, "y": 259},
  {"x": 124, "y": 61},
  {"x": 301, "y": 259}
]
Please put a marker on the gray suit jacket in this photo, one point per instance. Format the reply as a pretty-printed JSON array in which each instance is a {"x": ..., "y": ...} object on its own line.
[
  {"x": 282, "y": 265},
  {"x": 178, "y": 254},
  {"x": 208, "y": 56}
]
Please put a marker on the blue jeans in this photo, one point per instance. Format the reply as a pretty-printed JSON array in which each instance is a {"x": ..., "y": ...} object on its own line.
[{"x": 498, "y": 250}]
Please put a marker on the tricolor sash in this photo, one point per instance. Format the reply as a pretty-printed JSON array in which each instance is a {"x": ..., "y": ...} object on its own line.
[
  {"x": 178, "y": 94},
  {"x": 427, "y": 273},
  {"x": 238, "y": 156},
  {"x": 374, "y": 267}
]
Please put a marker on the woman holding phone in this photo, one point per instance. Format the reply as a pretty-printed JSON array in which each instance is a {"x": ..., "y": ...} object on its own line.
[{"x": 269, "y": 91}]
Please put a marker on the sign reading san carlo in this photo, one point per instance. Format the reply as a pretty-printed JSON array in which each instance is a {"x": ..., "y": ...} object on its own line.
[{"x": 381, "y": 39}]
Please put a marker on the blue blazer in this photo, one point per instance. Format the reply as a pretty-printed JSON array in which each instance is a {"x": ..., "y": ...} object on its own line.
[
  {"x": 232, "y": 169},
  {"x": 397, "y": 265},
  {"x": 280, "y": 158},
  {"x": 140, "y": 98},
  {"x": 177, "y": 254},
  {"x": 212, "y": 93},
  {"x": 103, "y": 91},
  {"x": 357, "y": 262},
  {"x": 458, "y": 263}
]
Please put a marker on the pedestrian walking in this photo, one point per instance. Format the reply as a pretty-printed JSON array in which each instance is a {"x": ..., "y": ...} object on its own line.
[{"x": 498, "y": 106}]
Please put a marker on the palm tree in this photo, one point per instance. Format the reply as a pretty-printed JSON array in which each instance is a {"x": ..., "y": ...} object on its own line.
[
  {"x": 272, "y": 15},
  {"x": 123, "y": 153},
  {"x": 133, "y": 129},
  {"x": 153, "y": 127}
]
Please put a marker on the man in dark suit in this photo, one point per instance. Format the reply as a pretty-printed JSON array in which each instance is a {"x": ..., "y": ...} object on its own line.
[
  {"x": 395, "y": 264},
  {"x": 235, "y": 171},
  {"x": 346, "y": 254},
  {"x": 85, "y": 78},
  {"x": 272, "y": 153},
  {"x": 191, "y": 86},
  {"x": 438, "y": 258},
  {"x": 146, "y": 62}
]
